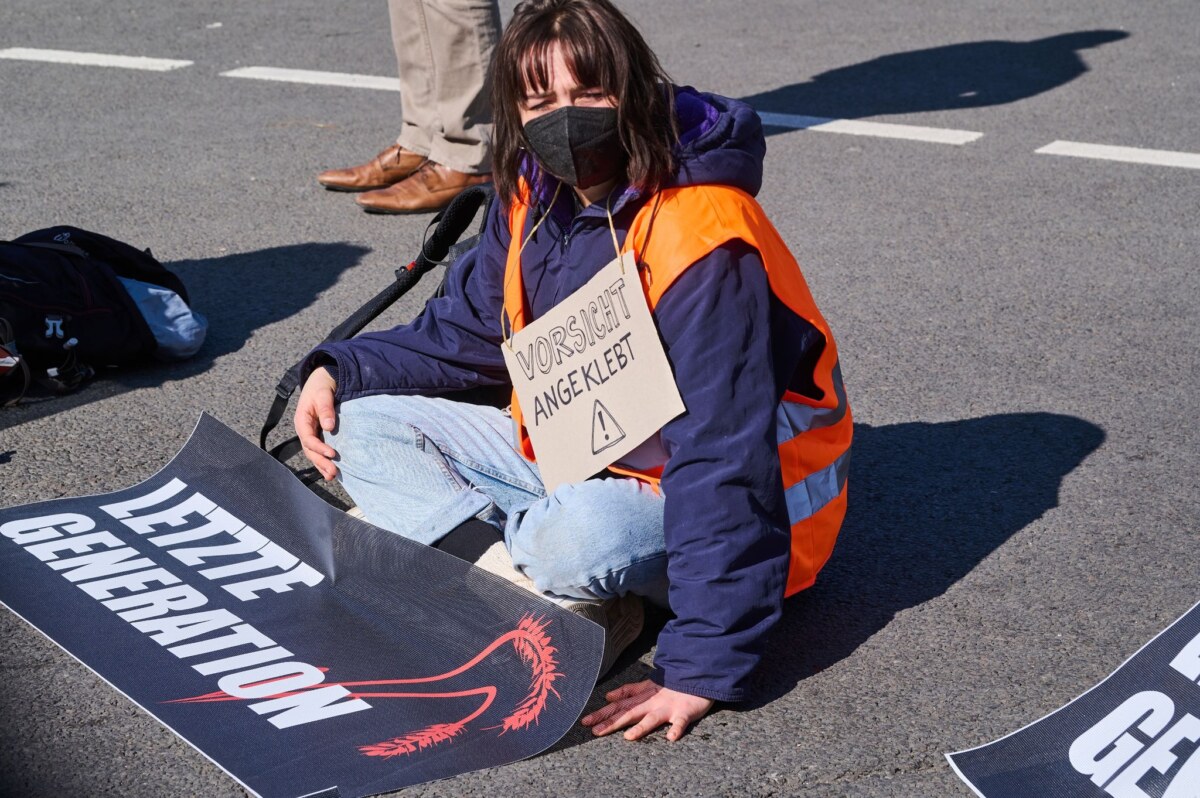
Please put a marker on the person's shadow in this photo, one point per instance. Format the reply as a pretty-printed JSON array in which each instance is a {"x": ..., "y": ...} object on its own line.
[
  {"x": 969, "y": 75},
  {"x": 927, "y": 503},
  {"x": 238, "y": 294}
]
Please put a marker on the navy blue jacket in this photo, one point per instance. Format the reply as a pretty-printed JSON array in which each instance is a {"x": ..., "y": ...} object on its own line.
[{"x": 733, "y": 347}]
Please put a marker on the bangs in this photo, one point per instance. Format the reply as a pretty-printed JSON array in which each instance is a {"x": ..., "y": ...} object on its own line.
[
  {"x": 601, "y": 50},
  {"x": 587, "y": 56}
]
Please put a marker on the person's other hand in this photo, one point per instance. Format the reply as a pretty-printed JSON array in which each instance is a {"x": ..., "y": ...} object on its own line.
[
  {"x": 314, "y": 416},
  {"x": 649, "y": 706}
]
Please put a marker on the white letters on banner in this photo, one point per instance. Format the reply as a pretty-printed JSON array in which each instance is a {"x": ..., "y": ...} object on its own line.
[
  {"x": 108, "y": 569},
  {"x": 592, "y": 377},
  {"x": 1134, "y": 735},
  {"x": 260, "y": 623},
  {"x": 1107, "y": 751},
  {"x": 1117, "y": 759},
  {"x": 1108, "y": 746}
]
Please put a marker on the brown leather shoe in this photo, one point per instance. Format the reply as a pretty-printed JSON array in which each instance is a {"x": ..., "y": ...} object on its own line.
[
  {"x": 430, "y": 188},
  {"x": 386, "y": 169}
]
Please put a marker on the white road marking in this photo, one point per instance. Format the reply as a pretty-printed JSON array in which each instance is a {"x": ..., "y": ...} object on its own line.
[
  {"x": 316, "y": 78},
  {"x": 93, "y": 59},
  {"x": 850, "y": 126},
  {"x": 853, "y": 127},
  {"x": 858, "y": 127},
  {"x": 1106, "y": 152}
]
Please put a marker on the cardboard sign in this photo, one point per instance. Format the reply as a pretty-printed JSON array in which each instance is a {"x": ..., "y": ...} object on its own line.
[
  {"x": 304, "y": 651},
  {"x": 592, "y": 377},
  {"x": 1134, "y": 735}
]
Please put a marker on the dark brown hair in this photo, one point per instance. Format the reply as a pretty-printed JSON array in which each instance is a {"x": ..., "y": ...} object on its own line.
[{"x": 602, "y": 49}]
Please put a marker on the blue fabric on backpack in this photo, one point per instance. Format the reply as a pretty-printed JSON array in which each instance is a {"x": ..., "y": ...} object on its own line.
[{"x": 178, "y": 330}]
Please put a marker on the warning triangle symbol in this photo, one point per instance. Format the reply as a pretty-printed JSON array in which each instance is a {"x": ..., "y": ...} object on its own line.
[{"x": 606, "y": 431}]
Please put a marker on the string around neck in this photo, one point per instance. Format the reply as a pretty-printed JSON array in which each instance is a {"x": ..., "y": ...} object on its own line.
[
  {"x": 505, "y": 322},
  {"x": 613, "y": 229},
  {"x": 506, "y": 330}
]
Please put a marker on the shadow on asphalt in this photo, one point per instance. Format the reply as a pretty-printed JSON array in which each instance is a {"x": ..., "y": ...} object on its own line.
[
  {"x": 928, "y": 502},
  {"x": 969, "y": 75},
  {"x": 239, "y": 294}
]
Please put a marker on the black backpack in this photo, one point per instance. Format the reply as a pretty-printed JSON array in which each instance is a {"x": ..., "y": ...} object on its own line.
[{"x": 66, "y": 309}]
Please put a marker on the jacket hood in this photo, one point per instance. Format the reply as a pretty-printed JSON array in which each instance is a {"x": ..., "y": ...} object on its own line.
[{"x": 720, "y": 142}]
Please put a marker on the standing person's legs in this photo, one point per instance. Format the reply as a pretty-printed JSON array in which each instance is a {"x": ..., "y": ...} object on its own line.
[
  {"x": 443, "y": 50},
  {"x": 418, "y": 108},
  {"x": 415, "y": 67},
  {"x": 462, "y": 35}
]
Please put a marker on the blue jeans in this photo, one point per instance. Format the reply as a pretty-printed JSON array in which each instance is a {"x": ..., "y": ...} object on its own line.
[{"x": 420, "y": 466}]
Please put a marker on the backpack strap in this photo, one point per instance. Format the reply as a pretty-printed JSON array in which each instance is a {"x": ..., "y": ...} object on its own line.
[{"x": 450, "y": 223}]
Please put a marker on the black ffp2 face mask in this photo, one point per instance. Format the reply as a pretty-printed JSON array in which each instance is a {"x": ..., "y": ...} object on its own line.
[{"x": 579, "y": 146}]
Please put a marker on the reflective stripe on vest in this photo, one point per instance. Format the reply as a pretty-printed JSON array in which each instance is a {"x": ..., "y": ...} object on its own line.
[
  {"x": 817, "y": 490},
  {"x": 674, "y": 230},
  {"x": 791, "y": 418}
]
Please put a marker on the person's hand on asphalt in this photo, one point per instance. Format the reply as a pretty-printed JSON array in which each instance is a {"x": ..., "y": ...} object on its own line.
[
  {"x": 314, "y": 416},
  {"x": 646, "y": 706}
]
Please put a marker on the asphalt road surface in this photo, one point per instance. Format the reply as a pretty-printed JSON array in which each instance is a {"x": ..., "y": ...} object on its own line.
[{"x": 1018, "y": 332}]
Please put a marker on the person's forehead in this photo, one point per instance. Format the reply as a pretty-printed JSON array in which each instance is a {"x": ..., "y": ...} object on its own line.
[{"x": 553, "y": 65}]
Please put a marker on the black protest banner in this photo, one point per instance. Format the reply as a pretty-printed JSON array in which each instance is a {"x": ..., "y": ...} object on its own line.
[
  {"x": 302, "y": 650},
  {"x": 1134, "y": 735}
]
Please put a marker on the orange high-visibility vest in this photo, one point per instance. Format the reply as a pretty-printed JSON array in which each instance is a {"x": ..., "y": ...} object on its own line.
[{"x": 675, "y": 229}]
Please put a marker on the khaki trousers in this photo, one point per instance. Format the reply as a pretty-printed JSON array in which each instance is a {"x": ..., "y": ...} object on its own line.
[{"x": 443, "y": 51}]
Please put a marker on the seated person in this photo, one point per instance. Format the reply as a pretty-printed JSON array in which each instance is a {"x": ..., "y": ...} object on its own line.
[{"x": 734, "y": 503}]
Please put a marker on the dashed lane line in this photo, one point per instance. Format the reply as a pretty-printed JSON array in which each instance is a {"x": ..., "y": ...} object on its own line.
[
  {"x": 858, "y": 127},
  {"x": 93, "y": 59},
  {"x": 316, "y": 78},
  {"x": 850, "y": 126},
  {"x": 1107, "y": 152},
  {"x": 853, "y": 127}
]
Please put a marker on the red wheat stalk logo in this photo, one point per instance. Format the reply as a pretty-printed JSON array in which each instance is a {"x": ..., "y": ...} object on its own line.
[{"x": 533, "y": 646}]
